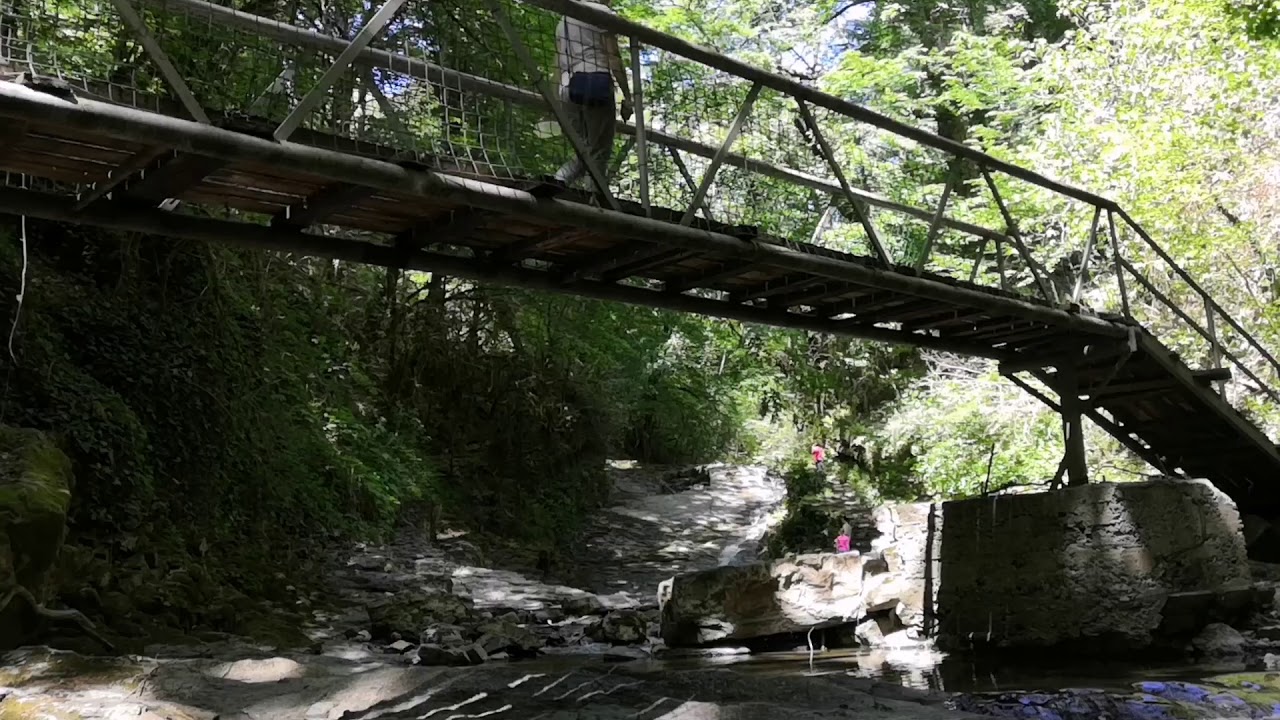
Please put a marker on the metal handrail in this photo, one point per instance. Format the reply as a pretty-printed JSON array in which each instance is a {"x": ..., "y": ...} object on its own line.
[
  {"x": 805, "y": 94},
  {"x": 1204, "y": 294}
]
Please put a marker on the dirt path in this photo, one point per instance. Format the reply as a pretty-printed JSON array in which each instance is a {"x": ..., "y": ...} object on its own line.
[{"x": 662, "y": 525}]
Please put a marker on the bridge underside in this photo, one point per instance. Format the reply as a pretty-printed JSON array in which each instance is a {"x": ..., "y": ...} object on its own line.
[{"x": 330, "y": 197}]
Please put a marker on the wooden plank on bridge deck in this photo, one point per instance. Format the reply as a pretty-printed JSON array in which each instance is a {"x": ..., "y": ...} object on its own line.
[
  {"x": 327, "y": 201},
  {"x": 172, "y": 177}
]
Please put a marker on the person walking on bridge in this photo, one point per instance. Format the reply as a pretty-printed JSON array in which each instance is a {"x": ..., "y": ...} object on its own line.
[{"x": 590, "y": 62}]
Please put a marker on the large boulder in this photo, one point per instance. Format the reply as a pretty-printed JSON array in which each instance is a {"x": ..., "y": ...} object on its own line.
[
  {"x": 788, "y": 595},
  {"x": 35, "y": 492},
  {"x": 909, "y": 546}
]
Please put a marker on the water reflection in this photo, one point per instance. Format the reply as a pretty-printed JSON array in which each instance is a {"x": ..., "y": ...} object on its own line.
[{"x": 927, "y": 669}]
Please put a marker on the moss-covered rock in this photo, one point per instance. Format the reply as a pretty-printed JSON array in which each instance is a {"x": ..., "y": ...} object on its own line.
[
  {"x": 35, "y": 493},
  {"x": 410, "y": 612},
  {"x": 281, "y": 632}
]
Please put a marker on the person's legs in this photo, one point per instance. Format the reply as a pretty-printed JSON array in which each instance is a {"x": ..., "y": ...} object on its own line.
[
  {"x": 599, "y": 137},
  {"x": 595, "y": 125},
  {"x": 574, "y": 169}
]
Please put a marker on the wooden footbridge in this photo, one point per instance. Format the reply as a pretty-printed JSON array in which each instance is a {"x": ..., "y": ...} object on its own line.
[{"x": 405, "y": 140}]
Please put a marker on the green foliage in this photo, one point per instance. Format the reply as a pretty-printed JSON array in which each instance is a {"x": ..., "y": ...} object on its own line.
[
  {"x": 250, "y": 400},
  {"x": 245, "y": 404},
  {"x": 818, "y": 504},
  {"x": 1261, "y": 17},
  {"x": 967, "y": 429},
  {"x": 193, "y": 391}
]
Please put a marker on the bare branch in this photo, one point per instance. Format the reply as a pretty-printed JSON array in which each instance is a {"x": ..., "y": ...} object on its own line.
[
  {"x": 841, "y": 11},
  {"x": 75, "y": 615}
]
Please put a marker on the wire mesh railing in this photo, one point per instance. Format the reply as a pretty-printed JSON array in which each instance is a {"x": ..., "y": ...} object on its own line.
[{"x": 471, "y": 86}]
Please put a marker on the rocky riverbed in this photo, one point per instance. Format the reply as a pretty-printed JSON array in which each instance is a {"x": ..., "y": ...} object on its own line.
[
  {"x": 415, "y": 629},
  {"x": 411, "y": 621}
]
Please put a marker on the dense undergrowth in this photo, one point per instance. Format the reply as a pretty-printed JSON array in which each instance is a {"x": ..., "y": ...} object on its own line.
[{"x": 241, "y": 407}]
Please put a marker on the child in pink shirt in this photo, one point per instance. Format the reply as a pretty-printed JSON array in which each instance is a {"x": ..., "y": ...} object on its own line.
[{"x": 842, "y": 540}]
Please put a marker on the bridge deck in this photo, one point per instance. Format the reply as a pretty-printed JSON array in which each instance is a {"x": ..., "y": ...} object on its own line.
[{"x": 532, "y": 233}]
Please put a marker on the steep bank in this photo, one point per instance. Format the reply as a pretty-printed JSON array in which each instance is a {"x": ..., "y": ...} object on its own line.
[{"x": 230, "y": 415}]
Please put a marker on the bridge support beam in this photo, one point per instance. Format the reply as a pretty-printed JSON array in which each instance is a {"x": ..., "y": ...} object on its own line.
[
  {"x": 1070, "y": 405},
  {"x": 1072, "y": 423},
  {"x": 121, "y": 216},
  {"x": 219, "y": 144}
]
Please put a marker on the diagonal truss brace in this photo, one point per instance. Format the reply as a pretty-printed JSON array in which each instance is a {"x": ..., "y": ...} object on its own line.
[
  {"x": 313, "y": 97},
  {"x": 688, "y": 181},
  {"x": 709, "y": 176},
  {"x": 1118, "y": 258},
  {"x": 859, "y": 214},
  {"x": 557, "y": 108},
  {"x": 977, "y": 262},
  {"x": 139, "y": 160},
  {"x": 1016, "y": 238},
  {"x": 935, "y": 224},
  {"x": 1087, "y": 257},
  {"x": 158, "y": 56}
]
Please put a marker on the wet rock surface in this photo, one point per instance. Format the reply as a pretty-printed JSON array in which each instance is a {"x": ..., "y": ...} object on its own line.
[
  {"x": 414, "y": 629},
  {"x": 415, "y": 616},
  {"x": 1219, "y": 640},
  {"x": 423, "y": 632},
  {"x": 1231, "y": 696},
  {"x": 314, "y": 688},
  {"x": 432, "y": 595}
]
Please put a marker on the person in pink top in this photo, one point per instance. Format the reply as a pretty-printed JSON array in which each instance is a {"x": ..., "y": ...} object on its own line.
[
  {"x": 843, "y": 541},
  {"x": 819, "y": 456}
]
